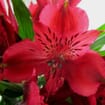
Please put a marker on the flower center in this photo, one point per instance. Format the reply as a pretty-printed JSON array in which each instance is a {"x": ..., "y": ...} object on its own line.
[
  {"x": 60, "y": 47},
  {"x": 55, "y": 64}
]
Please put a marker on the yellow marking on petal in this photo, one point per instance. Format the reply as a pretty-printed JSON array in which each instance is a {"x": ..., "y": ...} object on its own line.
[{"x": 66, "y": 3}]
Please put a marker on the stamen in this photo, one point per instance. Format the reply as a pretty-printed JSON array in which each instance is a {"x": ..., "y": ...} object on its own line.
[
  {"x": 49, "y": 63},
  {"x": 60, "y": 66}
]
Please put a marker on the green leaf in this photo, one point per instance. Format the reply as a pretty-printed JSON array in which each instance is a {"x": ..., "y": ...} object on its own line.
[
  {"x": 100, "y": 42},
  {"x": 102, "y": 53},
  {"x": 10, "y": 89},
  {"x": 24, "y": 19},
  {"x": 69, "y": 100},
  {"x": 102, "y": 27},
  {"x": 41, "y": 81}
]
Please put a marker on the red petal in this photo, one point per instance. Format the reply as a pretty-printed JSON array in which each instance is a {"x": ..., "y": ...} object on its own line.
[
  {"x": 54, "y": 82},
  {"x": 64, "y": 20},
  {"x": 74, "y": 2},
  {"x": 8, "y": 36},
  {"x": 86, "y": 74},
  {"x": 32, "y": 93},
  {"x": 12, "y": 17},
  {"x": 80, "y": 43},
  {"x": 10, "y": 30},
  {"x": 5, "y": 22},
  {"x": 21, "y": 58},
  {"x": 92, "y": 100},
  {"x": 2, "y": 8},
  {"x": 42, "y": 3},
  {"x": 35, "y": 11},
  {"x": 47, "y": 40}
]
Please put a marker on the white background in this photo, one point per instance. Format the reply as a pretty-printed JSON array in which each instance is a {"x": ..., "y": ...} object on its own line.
[{"x": 95, "y": 10}]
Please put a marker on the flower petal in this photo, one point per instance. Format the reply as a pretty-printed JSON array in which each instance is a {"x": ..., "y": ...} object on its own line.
[
  {"x": 64, "y": 20},
  {"x": 92, "y": 100},
  {"x": 42, "y": 3},
  {"x": 60, "y": 96},
  {"x": 85, "y": 74},
  {"x": 48, "y": 40},
  {"x": 21, "y": 58},
  {"x": 80, "y": 43},
  {"x": 2, "y": 8},
  {"x": 54, "y": 82},
  {"x": 12, "y": 17},
  {"x": 74, "y": 2},
  {"x": 35, "y": 11},
  {"x": 32, "y": 93}
]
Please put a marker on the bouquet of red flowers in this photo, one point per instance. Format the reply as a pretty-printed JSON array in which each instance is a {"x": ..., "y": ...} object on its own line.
[{"x": 48, "y": 56}]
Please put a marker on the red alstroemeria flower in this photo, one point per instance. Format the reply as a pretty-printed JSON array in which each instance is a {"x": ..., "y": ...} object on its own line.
[
  {"x": 8, "y": 30},
  {"x": 34, "y": 96},
  {"x": 9, "y": 16},
  {"x": 8, "y": 27},
  {"x": 65, "y": 57},
  {"x": 64, "y": 17},
  {"x": 54, "y": 13}
]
